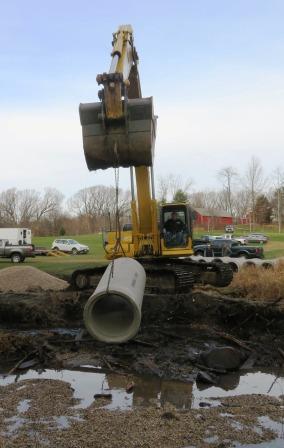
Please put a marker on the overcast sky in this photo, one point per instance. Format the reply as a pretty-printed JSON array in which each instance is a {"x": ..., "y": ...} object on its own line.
[{"x": 214, "y": 68}]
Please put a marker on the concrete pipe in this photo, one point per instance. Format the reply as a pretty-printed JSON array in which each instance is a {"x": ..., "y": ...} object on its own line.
[
  {"x": 249, "y": 264},
  {"x": 113, "y": 312},
  {"x": 267, "y": 265}
]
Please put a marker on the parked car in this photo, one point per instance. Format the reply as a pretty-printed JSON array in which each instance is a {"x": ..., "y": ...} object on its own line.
[
  {"x": 16, "y": 253},
  {"x": 229, "y": 228},
  {"x": 203, "y": 239},
  {"x": 230, "y": 236},
  {"x": 256, "y": 238},
  {"x": 229, "y": 248},
  {"x": 127, "y": 227},
  {"x": 70, "y": 246}
]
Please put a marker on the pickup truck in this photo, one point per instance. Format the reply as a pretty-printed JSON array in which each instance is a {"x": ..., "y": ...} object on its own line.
[
  {"x": 227, "y": 248},
  {"x": 16, "y": 253},
  {"x": 204, "y": 239}
]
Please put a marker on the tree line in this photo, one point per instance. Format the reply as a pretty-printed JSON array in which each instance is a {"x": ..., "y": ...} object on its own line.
[
  {"x": 251, "y": 196},
  {"x": 47, "y": 213}
]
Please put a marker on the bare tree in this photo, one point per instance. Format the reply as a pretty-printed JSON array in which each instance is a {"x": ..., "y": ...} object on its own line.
[
  {"x": 197, "y": 199},
  {"x": 241, "y": 202},
  {"x": 278, "y": 185},
  {"x": 208, "y": 199},
  {"x": 98, "y": 203},
  {"x": 82, "y": 205},
  {"x": 227, "y": 175},
  {"x": 9, "y": 206},
  {"x": 169, "y": 185},
  {"x": 49, "y": 203},
  {"x": 28, "y": 201},
  {"x": 254, "y": 181},
  {"x": 163, "y": 189},
  {"x": 21, "y": 207}
]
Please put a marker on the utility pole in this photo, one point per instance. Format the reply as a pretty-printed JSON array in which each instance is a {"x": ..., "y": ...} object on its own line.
[
  {"x": 279, "y": 185},
  {"x": 279, "y": 209}
]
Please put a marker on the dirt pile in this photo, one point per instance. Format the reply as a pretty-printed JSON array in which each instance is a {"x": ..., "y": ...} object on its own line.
[{"x": 26, "y": 278}]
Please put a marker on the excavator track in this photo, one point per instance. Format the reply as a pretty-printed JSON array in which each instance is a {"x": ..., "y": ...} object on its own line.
[
  {"x": 168, "y": 279},
  {"x": 165, "y": 275},
  {"x": 188, "y": 272}
]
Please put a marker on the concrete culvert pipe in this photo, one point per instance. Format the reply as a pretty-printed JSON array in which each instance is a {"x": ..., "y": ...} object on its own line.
[
  {"x": 249, "y": 264},
  {"x": 113, "y": 312},
  {"x": 234, "y": 266},
  {"x": 267, "y": 265}
]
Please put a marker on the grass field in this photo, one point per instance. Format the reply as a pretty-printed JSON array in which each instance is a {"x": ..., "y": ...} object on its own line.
[{"x": 65, "y": 265}]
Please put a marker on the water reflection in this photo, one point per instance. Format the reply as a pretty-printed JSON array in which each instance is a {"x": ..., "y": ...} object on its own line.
[{"x": 149, "y": 390}]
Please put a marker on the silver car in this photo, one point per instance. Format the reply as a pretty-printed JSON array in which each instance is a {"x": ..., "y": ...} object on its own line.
[
  {"x": 256, "y": 238},
  {"x": 70, "y": 246}
]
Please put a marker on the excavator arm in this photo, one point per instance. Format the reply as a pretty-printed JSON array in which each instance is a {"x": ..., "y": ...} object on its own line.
[
  {"x": 123, "y": 78},
  {"x": 120, "y": 130}
]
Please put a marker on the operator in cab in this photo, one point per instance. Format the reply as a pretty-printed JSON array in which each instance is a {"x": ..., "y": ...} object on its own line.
[{"x": 174, "y": 230}]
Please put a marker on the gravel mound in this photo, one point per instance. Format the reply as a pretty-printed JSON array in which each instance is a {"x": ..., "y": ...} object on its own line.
[{"x": 27, "y": 278}]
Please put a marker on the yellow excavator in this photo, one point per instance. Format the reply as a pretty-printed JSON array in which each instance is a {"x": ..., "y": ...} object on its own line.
[{"x": 120, "y": 131}]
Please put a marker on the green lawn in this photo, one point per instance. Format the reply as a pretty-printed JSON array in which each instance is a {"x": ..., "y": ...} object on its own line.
[
  {"x": 65, "y": 265},
  {"x": 94, "y": 241}
]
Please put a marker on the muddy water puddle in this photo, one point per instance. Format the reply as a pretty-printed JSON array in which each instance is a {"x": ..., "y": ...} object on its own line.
[
  {"x": 268, "y": 423},
  {"x": 129, "y": 391},
  {"x": 90, "y": 383}
]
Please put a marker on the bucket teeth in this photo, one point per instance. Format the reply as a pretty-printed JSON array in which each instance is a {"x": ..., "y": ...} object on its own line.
[{"x": 126, "y": 142}]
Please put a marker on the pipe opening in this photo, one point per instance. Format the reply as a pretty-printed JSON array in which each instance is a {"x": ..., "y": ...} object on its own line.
[
  {"x": 113, "y": 317},
  {"x": 267, "y": 265},
  {"x": 234, "y": 266}
]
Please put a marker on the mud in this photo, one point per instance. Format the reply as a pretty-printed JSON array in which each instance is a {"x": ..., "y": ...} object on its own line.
[
  {"x": 170, "y": 386},
  {"x": 177, "y": 337}
]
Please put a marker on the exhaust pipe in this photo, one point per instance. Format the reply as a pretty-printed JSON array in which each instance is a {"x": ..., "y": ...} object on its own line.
[{"x": 113, "y": 312}]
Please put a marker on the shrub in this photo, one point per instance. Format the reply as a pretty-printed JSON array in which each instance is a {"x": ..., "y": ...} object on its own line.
[
  {"x": 260, "y": 283},
  {"x": 62, "y": 231}
]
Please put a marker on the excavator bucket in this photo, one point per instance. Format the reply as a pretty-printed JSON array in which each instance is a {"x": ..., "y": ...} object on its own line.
[{"x": 126, "y": 142}]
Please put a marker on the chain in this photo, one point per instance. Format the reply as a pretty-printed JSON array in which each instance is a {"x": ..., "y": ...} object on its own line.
[{"x": 118, "y": 245}]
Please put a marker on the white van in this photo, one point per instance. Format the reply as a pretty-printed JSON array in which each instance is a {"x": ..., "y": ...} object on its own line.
[{"x": 16, "y": 235}]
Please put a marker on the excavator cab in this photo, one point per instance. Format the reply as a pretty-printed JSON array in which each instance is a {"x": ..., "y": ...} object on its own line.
[{"x": 176, "y": 229}]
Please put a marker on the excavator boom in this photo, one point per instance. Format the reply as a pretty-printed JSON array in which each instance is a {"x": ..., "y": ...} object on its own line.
[{"x": 120, "y": 130}]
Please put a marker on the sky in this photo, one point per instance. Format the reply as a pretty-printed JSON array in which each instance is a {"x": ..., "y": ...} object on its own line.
[{"x": 215, "y": 69}]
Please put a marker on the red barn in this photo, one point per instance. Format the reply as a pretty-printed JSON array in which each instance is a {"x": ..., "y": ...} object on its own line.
[{"x": 212, "y": 218}]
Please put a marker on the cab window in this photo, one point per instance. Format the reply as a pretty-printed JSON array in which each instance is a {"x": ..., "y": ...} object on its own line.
[
  {"x": 175, "y": 230},
  {"x": 180, "y": 215}
]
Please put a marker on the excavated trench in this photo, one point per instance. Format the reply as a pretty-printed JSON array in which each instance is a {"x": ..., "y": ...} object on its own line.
[
  {"x": 177, "y": 332},
  {"x": 195, "y": 357}
]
